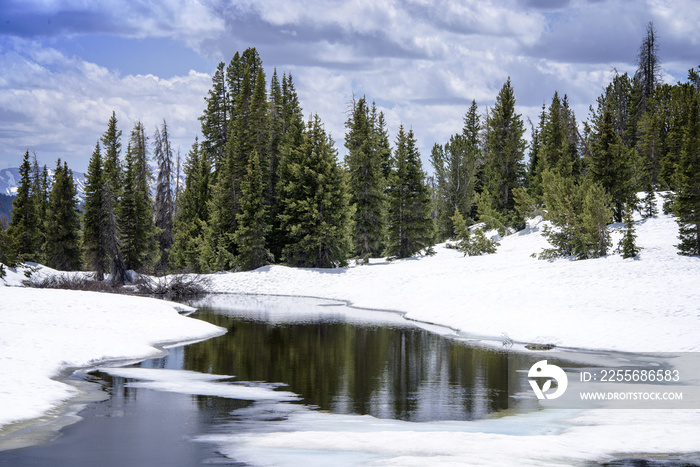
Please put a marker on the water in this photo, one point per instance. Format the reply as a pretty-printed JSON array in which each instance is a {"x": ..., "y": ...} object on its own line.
[{"x": 335, "y": 359}]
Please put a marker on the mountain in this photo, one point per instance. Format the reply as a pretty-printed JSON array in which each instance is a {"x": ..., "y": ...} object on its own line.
[{"x": 9, "y": 179}]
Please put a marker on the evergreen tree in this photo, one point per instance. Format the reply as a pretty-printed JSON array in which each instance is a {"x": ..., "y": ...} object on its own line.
[
  {"x": 612, "y": 164},
  {"x": 315, "y": 212},
  {"x": 649, "y": 208},
  {"x": 190, "y": 220},
  {"x": 24, "y": 233},
  {"x": 137, "y": 227},
  {"x": 456, "y": 165},
  {"x": 628, "y": 243},
  {"x": 558, "y": 141},
  {"x": 366, "y": 182},
  {"x": 247, "y": 132},
  {"x": 461, "y": 231},
  {"x": 95, "y": 244},
  {"x": 652, "y": 129},
  {"x": 164, "y": 205},
  {"x": 63, "y": 222},
  {"x": 410, "y": 225},
  {"x": 579, "y": 214},
  {"x": 112, "y": 189},
  {"x": 252, "y": 221},
  {"x": 504, "y": 150},
  {"x": 42, "y": 205},
  {"x": 382, "y": 146},
  {"x": 215, "y": 119},
  {"x": 687, "y": 201}
]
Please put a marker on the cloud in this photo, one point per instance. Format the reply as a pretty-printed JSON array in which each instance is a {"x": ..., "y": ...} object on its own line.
[
  {"x": 422, "y": 60},
  {"x": 59, "y": 105}
]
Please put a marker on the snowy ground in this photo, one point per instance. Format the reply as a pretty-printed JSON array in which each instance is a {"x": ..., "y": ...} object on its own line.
[
  {"x": 650, "y": 304},
  {"x": 44, "y": 332}
]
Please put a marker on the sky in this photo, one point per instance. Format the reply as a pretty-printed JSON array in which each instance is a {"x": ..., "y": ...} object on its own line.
[{"x": 66, "y": 65}]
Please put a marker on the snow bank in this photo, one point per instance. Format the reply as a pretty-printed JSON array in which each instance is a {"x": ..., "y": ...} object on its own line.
[
  {"x": 44, "y": 332},
  {"x": 649, "y": 304},
  {"x": 546, "y": 438}
]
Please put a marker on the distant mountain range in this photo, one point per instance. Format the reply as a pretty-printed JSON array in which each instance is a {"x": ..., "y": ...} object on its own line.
[{"x": 10, "y": 178}]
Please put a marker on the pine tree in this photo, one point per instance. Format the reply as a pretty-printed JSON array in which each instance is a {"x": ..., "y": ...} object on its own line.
[
  {"x": 247, "y": 132},
  {"x": 649, "y": 208},
  {"x": 112, "y": 189},
  {"x": 315, "y": 212},
  {"x": 95, "y": 244},
  {"x": 24, "y": 233},
  {"x": 137, "y": 227},
  {"x": 190, "y": 220},
  {"x": 504, "y": 150},
  {"x": 628, "y": 243},
  {"x": 252, "y": 220},
  {"x": 292, "y": 137},
  {"x": 366, "y": 182},
  {"x": 612, "y": 163},
  {"x": 63, "y": 222},
  {"x": 456, "y": 165},
  {"x": 215, "y": 119},
  {"x": 382, "y": 146},
  {"x": 461, "y": 231},
  {"x": 687, "y": 201},
  {"x": 410, "y": 225},
  {"x": 579, "y": 214},
  {"x": 164, "y": 205}
]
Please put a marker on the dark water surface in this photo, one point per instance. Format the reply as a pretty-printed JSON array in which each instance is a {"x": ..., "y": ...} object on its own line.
[{"x": 336, "y": 359}]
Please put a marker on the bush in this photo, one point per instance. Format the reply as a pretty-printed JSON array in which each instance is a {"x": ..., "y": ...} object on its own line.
[
  {"x": 174, "y": 287},
  {"x": 74, "y": 282}
]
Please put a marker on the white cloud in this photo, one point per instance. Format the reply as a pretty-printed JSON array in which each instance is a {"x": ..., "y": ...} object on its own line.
[{"x": 59, "y": 106}]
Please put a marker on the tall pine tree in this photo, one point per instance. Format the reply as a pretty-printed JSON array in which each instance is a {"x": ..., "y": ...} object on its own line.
[
  {"x": 94, "y": 222},
  {"x": 112, "y": 189},
  {"x": 456, "y": 165},
  {"x": 504, "y": 150},
  {"x": 137, "y": 228},
  {"x": 366, "y": 182},
  {"x": 410, "y": 225},
  {"x": 63, "y": 222},
  {"x": 190, "y": 220},
  {"x": 315, "y": 212},
  {"x": 687, "y": 202},
  {"x": 24, "y": 232}
]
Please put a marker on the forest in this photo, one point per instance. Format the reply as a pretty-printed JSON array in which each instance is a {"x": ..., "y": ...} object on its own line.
[{"x": 265, "y": 186}]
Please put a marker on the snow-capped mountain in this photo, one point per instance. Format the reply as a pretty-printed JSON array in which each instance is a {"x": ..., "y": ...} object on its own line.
[{"x": 10, "y": 178}]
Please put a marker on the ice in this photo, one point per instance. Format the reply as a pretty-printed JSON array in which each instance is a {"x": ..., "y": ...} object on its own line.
[{"x": 194, "y": 383}]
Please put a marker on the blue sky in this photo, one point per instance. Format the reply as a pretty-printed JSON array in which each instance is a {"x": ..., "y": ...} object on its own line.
[{"x": 66, "y": 65}]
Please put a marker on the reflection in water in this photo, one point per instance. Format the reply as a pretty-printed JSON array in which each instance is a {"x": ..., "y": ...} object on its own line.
[
  {"x": 377, "y": 364},
  {"x": 399, "y": 372}
]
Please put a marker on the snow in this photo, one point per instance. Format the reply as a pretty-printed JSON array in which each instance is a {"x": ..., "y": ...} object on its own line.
[
  {"x": 647, "y": 304},
  {"x": 545, "y": 438},
  {"x": 194, "y": 383},
  {"x": 45, "y": 332}
]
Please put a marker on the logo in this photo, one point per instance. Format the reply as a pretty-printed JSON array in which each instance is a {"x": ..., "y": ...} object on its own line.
[{"x": 542, "y": 370}]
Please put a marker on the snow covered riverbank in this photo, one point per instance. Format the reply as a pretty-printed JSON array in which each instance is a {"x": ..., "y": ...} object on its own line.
[
  {"x": 44, "y": 332},
  {"x": 649, "y": 304}
]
